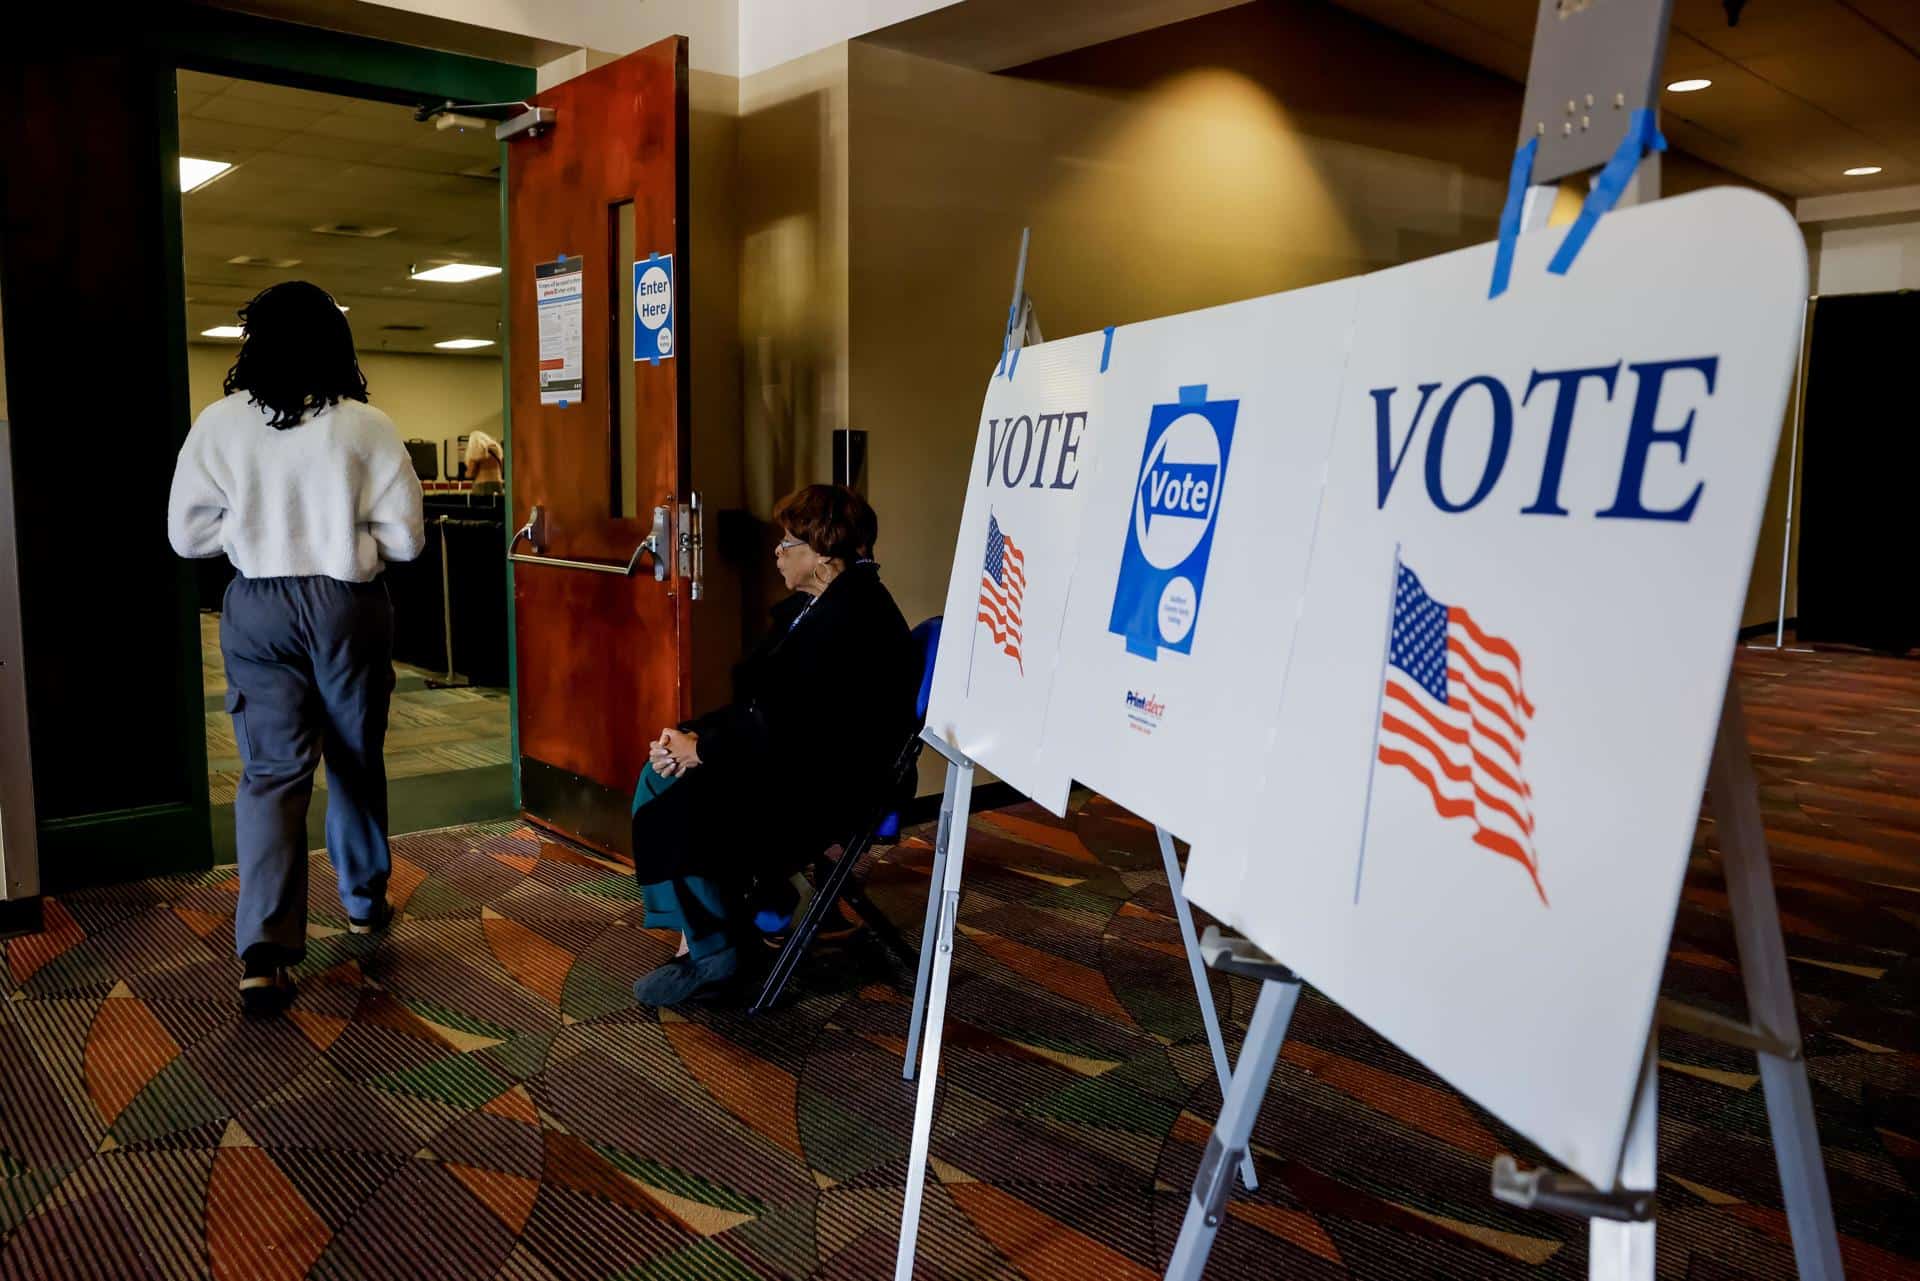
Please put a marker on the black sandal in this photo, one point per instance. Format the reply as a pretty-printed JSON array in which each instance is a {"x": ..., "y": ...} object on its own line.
[
  {"x": 265, "y": 989},
  {"x": 382, "y": 917}
]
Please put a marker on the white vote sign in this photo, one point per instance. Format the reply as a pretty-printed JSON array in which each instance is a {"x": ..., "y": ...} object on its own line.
[
  {"x": 1525, "y": 584},
  {"x": 1214, "y": 427},
  {"x": 1014, "y": 560}
]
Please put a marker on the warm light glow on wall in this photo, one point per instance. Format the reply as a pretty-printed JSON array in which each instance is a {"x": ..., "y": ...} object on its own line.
[{"x": 1211, "y": 162}]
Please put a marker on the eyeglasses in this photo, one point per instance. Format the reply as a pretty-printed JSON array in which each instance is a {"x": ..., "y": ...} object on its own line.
[{"x": 787, "y": 544}]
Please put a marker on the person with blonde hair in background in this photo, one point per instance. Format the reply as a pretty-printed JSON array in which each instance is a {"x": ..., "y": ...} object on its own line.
[{"x": 485, "y": 465}]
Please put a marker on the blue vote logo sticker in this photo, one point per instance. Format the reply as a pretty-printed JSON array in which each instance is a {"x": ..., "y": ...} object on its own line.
[{"x": 1176, "y": 500}]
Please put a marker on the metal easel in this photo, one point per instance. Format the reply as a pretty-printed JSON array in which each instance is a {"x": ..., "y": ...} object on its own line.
[
  {"x": 928, "y": 1020},
  {"x": 1596, "y": 60},
  {"x": 1793, "y": 474}
]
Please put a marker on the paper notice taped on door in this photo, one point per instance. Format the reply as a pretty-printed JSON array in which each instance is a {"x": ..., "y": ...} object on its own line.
[{"x": 558, "y": 295}]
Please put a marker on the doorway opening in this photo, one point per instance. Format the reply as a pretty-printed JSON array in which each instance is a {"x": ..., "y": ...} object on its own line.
[{"x": 400, "y": 222}]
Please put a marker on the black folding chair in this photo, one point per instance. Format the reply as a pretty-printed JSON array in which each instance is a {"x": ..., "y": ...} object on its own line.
[{"x": 833, "y": 877}]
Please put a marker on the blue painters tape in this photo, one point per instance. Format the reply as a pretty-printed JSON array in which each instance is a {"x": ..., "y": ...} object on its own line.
[
  {"x": 1194, "y": 395},
  {"x": 563, "y": 404},
  {"x": 1006, "y": 342},
  {"x": 1106, "y": 352},
  {"x": 1643, "y": 135},
  {"x": 1518, "y": 180}
]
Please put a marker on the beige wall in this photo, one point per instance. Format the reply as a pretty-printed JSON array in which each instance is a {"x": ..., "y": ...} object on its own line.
[
  {"x": 727, "y": 37},
  {"x": 789, "y": 336},
  {"x": 1867, "y": 255},
  {"x": 428, "y": 397},
  {"x": 712, "y": 353},
  {"x": 1223, "y": 158},
  {"x": 1763, "y": 585},
  {"x": 794, "y": 259},
  {"x": 1227, "y": 157}
]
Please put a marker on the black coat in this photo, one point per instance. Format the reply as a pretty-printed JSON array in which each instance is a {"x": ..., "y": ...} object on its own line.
[{"x": 804, "y": 752}]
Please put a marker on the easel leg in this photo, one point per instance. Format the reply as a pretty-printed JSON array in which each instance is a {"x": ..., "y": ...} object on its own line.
[
  {"x": 1208, "y": 1017},
  {"x": 1625, "y": 1251},
  {"x": 939, "y": 945},
  {"x": 916, "y": 1022},
  {"x": 1763, "y": 966},
  {"x": 1229, "y": 1141}
]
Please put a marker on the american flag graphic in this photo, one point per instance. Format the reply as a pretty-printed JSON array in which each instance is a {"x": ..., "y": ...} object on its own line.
[
  {"x": 1002, "y": 581},
  {"x": 1454, "y": 714}
]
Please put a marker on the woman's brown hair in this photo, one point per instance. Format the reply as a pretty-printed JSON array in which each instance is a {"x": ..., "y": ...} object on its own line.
[{"x": 831, "y": 519}]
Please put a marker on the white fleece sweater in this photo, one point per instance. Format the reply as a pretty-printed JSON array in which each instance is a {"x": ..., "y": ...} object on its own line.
[{"x": 334, "y": 496}]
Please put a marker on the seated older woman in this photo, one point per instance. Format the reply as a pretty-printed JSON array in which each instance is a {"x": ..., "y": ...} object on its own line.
[{"x": 742, "y": 797}]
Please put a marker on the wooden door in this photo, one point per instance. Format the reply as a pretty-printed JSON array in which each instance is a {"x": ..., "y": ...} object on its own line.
[{"x": 602, "y": 656}]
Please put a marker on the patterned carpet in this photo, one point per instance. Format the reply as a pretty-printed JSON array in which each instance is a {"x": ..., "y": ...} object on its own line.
[{"x": 473, "y": 1096}]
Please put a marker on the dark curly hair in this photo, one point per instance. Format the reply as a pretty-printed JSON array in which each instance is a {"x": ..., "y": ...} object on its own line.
[
  {"x": 832, "y": 519},
  {"x": 298, "y": 355}
]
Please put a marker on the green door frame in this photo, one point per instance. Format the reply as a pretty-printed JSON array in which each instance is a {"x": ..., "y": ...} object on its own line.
[{"x": 221, "y": 42}]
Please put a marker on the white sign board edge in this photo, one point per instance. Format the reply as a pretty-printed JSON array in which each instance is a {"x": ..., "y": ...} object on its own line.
[
  {"x": 1535, "y": 1000},
  {"x": 1013, "y": 561}
]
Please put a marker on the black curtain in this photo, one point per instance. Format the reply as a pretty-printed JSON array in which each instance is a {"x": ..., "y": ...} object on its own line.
[
  {"x": 1860, "y": 456},
  {"x": 475, "y": 592}
]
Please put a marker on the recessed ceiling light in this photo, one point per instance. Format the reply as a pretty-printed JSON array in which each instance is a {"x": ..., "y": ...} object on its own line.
[
  {"x": 455, "y": 273},
  {"x": 196, "y": 173},
  {"x": 255, "y": 260},
  {"x": 224, "y": 331},
  {"x": 1688, "y": 86},
  {"x": 463, "y": 344},
  {"x": 1861, "y": 171},
  {"x": 358, "y": 230}
]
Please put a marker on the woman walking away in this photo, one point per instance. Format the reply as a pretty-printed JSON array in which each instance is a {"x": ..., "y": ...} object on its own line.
[{"x": 308, "y": 490}]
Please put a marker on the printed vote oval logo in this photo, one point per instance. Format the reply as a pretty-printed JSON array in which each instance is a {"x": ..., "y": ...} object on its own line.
[
  {"x": 1179, "y": 485},
  {"x": 1163, "y": 567}
]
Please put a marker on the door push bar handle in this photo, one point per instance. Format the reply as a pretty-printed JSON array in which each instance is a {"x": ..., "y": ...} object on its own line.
[{"x": 534, "y": 531}]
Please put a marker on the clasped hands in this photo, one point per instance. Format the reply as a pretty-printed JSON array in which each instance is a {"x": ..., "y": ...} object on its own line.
[{"x": 674, "y": 753}]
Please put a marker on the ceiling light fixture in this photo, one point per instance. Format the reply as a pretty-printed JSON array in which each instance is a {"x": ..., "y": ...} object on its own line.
[
  {"x": 195, "y": 173},
  {"x": 454, "y": 273},
  {"x": 357, "y": 230},
  {"x": 1861, "y": 171},
  {"x": 463, "y": 344},
  {"x": 1688, "y": 86},
  {"x": 224, "y": 331}
]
